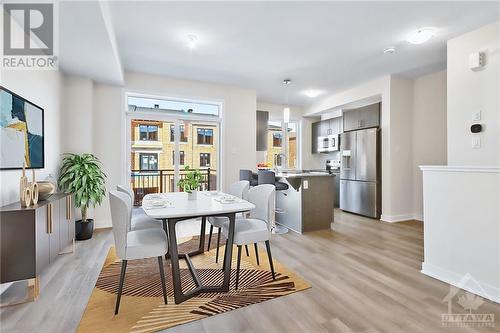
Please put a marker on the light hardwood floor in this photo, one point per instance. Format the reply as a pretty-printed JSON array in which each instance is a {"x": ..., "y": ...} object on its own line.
[{"x": 365, "y": 277}]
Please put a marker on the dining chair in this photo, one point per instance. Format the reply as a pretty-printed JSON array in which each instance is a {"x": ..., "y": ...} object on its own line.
[
  {"x": 257, "y": 227},
  {"x": 238, "y": 189},
  {"x": 135, "y": 244},
  {"x": 139, "y": 219}
]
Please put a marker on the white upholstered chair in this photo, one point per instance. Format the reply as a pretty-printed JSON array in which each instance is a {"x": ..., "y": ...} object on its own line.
[
  {"x": 135, "y": 244},
  {"x": 139, "y": 219},
  {"x": 238, "y": 189},
  {"x": 257, "y": 227}
]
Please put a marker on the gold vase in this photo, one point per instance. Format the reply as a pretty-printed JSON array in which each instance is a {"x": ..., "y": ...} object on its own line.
[
  {"x": 34, "y": 193},
  {"x": 23, "y": 184}
]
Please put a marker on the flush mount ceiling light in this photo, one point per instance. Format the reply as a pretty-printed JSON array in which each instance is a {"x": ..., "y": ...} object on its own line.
[
  {"x": 192, "y": 39},
  {"x": 421, "y": 35},
  {"x": 390, "y": 50},
  {"x": 312, "y": 93}
]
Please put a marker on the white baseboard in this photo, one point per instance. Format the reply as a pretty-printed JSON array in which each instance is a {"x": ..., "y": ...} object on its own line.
[
  {"x": 396, "y": 218},
  {"x": 456, "y": 279},
  {"x": 100, "y": 224}
]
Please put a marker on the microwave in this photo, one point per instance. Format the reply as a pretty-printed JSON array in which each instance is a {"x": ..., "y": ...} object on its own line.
[
  {"x": 328, "y": 143},
  {"x": 323, "y": 144},
  {"x": 333, "y": 142}
]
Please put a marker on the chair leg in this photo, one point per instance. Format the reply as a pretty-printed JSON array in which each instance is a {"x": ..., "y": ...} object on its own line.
[
  {"x": 246, "y": 250},
  {"x": 238, "y": 267},
  {"x": 120, "y": 286},
  {"x": 162, "y": 277},
  {"x": 210, "y": 237},
  {"x": 256, "y": 253},
  {"x": 268, "y": 247},
  {"x": 218, "y": 244}
]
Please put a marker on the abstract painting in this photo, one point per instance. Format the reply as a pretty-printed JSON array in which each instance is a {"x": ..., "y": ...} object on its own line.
[{"x": 21, "y": 132}]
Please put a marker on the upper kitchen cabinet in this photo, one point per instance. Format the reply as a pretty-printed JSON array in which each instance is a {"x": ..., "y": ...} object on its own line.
[
  {"x": 261, "y": 133},
  {"x": 364, "y": 117},
  {"x": 316, "y": 133}
]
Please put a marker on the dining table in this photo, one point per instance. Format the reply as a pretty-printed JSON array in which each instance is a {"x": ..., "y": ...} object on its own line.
[{"x": 174, "y": 207}]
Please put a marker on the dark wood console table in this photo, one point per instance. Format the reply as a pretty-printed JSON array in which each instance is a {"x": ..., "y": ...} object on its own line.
[{"x": 31, "y": 239}]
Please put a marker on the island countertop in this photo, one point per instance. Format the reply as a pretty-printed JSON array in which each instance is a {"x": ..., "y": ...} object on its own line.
[{"x": 303, "y": 173}]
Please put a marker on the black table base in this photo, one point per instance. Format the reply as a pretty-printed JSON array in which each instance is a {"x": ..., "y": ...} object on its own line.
[{"x": 179, "y": 295}]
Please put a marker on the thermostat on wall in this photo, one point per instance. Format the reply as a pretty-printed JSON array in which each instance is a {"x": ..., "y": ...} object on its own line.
[{"x": 476, "y": 60}]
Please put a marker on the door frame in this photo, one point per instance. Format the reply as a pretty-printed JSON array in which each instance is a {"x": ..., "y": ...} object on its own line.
[{"x": 176, "y": 119}]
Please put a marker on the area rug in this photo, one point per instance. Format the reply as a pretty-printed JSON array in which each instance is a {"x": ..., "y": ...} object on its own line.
[{"x": 142, "y": 308}]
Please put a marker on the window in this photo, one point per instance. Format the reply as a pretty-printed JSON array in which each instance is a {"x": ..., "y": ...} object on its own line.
[
  {"x": 205, "y": 160},
  {"x": 205, "y": 136},
  {"x": 136, "y": 103},
  {"x": 148, "y": 161},
  {"x": 181, "y": 157},
  {"x": 148, "y": 132},
  {"x": 277, "y": 139},
  {"x": 279, "y": 159},
  {"x": 181, "y": 131}
]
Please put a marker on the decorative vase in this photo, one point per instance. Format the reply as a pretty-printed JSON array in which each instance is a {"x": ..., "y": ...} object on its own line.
[
  {"x": 23, "y": 183},
  {"x": 192, "y": 195},
  {"x": 45, "y": 189},
  {"x": 34, "y": 193}
]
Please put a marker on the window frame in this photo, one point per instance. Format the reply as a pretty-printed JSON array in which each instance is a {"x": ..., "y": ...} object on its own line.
[
  {"x": 141, "y": 155},
  {"x": 207, "y": 157},
  {"x": 148, "y": 132},
  {"x": 205, "y": 129}
]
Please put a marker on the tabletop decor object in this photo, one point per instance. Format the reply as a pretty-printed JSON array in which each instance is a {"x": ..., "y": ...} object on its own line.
[
  {"x": 45, "y": 189},
  {"x": 34, "y": 189},
  {"x": 191, "y": 182},
  {"x": 23, "y": 184},
  {"x": 81, "y": 175}
]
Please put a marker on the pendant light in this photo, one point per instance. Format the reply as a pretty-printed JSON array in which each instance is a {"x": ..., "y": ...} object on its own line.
[{"x": 286, "y": 109}]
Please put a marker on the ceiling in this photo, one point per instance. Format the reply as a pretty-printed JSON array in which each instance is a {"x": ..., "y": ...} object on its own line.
[{"x": 319, "y": 45}]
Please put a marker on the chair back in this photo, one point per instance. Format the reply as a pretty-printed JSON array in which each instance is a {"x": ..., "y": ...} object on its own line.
[
  {"x": 266, "y": 177},
  {"x": 262, "y": 196},
  {"x": 120, "y": 218},
  {"x": 239, "y": 189},
  {"x": 127, "y": 190},
  {"x": 245, "y": 174}
]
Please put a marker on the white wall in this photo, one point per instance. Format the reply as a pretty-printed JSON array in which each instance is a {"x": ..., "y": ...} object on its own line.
[
  {"x": 108, "y": 134},
  {"x": 400, "y": 150},
  {"x": 77, "y": 115},
  {"x": 44, "y": 89},
  {"x": 429, "y": 129},
  {"x": 461, "y": 229},
  {"x": 469, "y": 91}
]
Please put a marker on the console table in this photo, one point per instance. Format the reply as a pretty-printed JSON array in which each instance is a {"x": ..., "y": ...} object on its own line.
[{"x": 31, "y": 238}]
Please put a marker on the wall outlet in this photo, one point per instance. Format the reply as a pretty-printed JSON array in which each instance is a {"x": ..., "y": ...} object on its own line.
[
  {"x": 476, "y": 142},
  {"x": 476, "y": 115},
  {"x": 305, "y": 183}
]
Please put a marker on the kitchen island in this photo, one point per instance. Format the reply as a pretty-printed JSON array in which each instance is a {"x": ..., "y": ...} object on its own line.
[{"x": 307, "y": 204}]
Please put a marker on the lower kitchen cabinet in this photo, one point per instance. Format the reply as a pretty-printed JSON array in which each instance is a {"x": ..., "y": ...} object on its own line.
[{"x": 32, "y": 238}]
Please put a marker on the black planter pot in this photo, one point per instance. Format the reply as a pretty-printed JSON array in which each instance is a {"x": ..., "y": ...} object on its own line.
[{"x": 84, "y": 230}]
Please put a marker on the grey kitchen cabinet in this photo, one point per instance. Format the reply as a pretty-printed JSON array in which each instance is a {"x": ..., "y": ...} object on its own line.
[
  {"x": 315, "y": 133},
  {"x": 33, "y": 237},
  {"x": 360, "y": 118},
  {"x": 261, "y": 130}
]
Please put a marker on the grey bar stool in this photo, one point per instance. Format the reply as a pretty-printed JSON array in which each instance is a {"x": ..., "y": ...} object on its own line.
[
  {"x": 248, "y": 176},
  {"x": 268, "y": 177}
]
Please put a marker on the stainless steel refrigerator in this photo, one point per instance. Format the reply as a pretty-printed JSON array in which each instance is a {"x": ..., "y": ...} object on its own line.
[{"x": 360, "y": 174}]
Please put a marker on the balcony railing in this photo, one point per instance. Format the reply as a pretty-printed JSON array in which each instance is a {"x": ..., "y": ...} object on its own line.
[{"x": 160, "y": 181}]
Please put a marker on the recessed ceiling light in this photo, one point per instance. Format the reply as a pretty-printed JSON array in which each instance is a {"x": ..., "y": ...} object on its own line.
[
  {"x": 312, "y": 93},
  {"x": 191, "y": 41},
  {"x": 421, "y": 35},
  {"x": 390, "y": 49}
]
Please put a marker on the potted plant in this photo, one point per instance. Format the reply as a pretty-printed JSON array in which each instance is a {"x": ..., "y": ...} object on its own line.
[
  {"x": 81, "y": 176},
  {"x": 191, "y": 182}
]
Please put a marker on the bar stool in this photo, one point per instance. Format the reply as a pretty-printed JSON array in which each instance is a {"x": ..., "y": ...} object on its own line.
[
  {"x": 269, "y": 177},
  {"x": 248, "y": 176}
]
